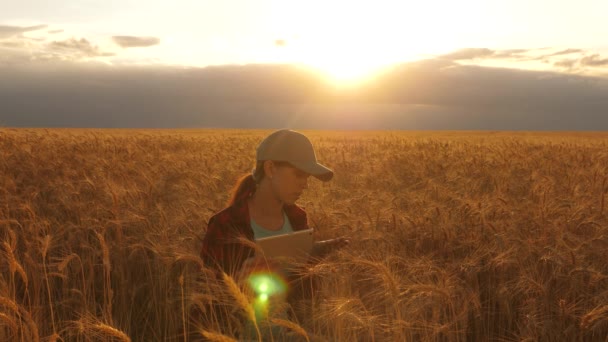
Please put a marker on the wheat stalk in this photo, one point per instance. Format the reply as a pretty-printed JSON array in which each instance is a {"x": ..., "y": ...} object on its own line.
[
  {"x": 107, "y": 266},
  {"x": 24, "y": 314},
  {"x": 181, "y": 286},
  {"x": 292, "y": 326},
  {"x": 215, "y": 337},
  {"x": 14, "y": 265},
  {"x": 110, "y": 331},
  {"x": 9, "y": 321},
  {"x": 54, "y": 338},
  {"x": 9, "y": 303},
  {"x": 594, "y": 315},
  {"x": 45, "y": 248},
  {"x": 242, "y": 301}
]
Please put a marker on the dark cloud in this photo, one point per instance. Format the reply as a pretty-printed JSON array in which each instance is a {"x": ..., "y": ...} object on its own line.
[
  {"x": 131, "y": 41},
  {"x": 429, "y": 94},
  {"x": 55, "y": 31},
  {"x": 9, "y": 31}
]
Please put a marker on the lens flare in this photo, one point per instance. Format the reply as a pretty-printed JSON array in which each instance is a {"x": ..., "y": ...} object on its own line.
[
  {"x": 267, "y": 283},
  {"x": 266, "y": 287}
]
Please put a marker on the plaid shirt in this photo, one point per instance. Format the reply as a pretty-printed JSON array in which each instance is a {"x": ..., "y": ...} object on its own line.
[{"x": 221, "y": 246}]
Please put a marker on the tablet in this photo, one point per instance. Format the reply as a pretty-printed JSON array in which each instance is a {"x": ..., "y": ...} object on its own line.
[{"x": 296, "y": 245}]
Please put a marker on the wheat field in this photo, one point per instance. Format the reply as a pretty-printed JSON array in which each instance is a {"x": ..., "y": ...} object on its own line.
[{"x": 456, "y": 236}]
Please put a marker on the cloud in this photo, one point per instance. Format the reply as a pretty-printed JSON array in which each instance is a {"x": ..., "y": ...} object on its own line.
[
  {"x": 583, "y": 63},
  {"x": 468, "y": 53},
  {"x": 566, "y": 63},
  {"x": 594, "y": 61},
  {"x": 16, "y": 44},
  {"x": 131, "y": 41},
  {"x": 79, "y": 47},
  {"x": 22, "y": 51},
  {"x": 564, "y": 52},
  {"x": 9, "y": 31},
  {"x": 16, "y": 48},
  {"x": 512, "y": 53},
  {"x": 484, "y": 53},
  {"x": 74, "y": 49}
]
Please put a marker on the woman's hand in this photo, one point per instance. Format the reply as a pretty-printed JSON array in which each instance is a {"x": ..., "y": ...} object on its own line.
[{"x": 321, "y": 249}]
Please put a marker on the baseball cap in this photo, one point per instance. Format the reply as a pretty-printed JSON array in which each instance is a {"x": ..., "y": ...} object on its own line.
[{"x": 296, "y": 149}]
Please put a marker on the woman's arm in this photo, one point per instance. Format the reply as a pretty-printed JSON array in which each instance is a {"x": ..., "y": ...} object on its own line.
[{"x": 223, "y": 248}]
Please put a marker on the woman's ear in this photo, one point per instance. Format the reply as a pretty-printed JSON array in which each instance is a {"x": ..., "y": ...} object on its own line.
[{"x": 269, "y": 168}]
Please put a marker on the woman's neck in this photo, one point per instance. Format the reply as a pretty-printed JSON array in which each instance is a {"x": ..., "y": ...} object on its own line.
[{"x": 265, "y": 203}]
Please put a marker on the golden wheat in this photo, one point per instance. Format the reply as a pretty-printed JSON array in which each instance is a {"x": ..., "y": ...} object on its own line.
[
  {"x": 455, "y": 235},
  {"x": 291, "y": 326},
  {"x": 215, "y": 337},
  {"x": 242, "y": 301},
  {"x": 106, "y": 330}
]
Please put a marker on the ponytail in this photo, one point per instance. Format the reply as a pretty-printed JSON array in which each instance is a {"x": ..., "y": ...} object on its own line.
[
  {"x": 243, "y": 185},
  {"x": 246, "y": 183}
]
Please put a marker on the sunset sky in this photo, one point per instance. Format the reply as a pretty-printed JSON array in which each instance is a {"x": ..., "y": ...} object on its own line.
[{"x": 347, "y": 41}]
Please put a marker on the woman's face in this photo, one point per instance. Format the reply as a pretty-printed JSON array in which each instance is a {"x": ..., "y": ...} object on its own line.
[{"x": 287, "y": 182}]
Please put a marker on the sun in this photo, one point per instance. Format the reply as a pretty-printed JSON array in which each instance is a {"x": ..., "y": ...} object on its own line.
[
  {"x": 346, "y": 66},
  {"x": 348, "y": 42},
  {"x": 344, "y": 60}
]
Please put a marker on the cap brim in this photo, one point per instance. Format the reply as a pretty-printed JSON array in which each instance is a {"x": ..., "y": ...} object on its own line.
[{"x": 319, "y": 171}]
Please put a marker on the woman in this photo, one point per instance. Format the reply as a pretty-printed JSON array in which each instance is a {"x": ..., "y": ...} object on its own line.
[{"x": 263, "y": 204}]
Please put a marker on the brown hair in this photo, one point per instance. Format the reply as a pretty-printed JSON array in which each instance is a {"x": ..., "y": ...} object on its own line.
[{"x": 246, "y": 183}]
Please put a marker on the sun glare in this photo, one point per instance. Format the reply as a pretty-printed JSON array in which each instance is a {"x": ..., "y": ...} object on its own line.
[
  {"x": 349, "y": 42},
  {"x": 346, "y": 68}
]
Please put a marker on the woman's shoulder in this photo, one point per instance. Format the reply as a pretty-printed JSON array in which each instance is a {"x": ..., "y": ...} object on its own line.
[{"x": 236, "y": 213}]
